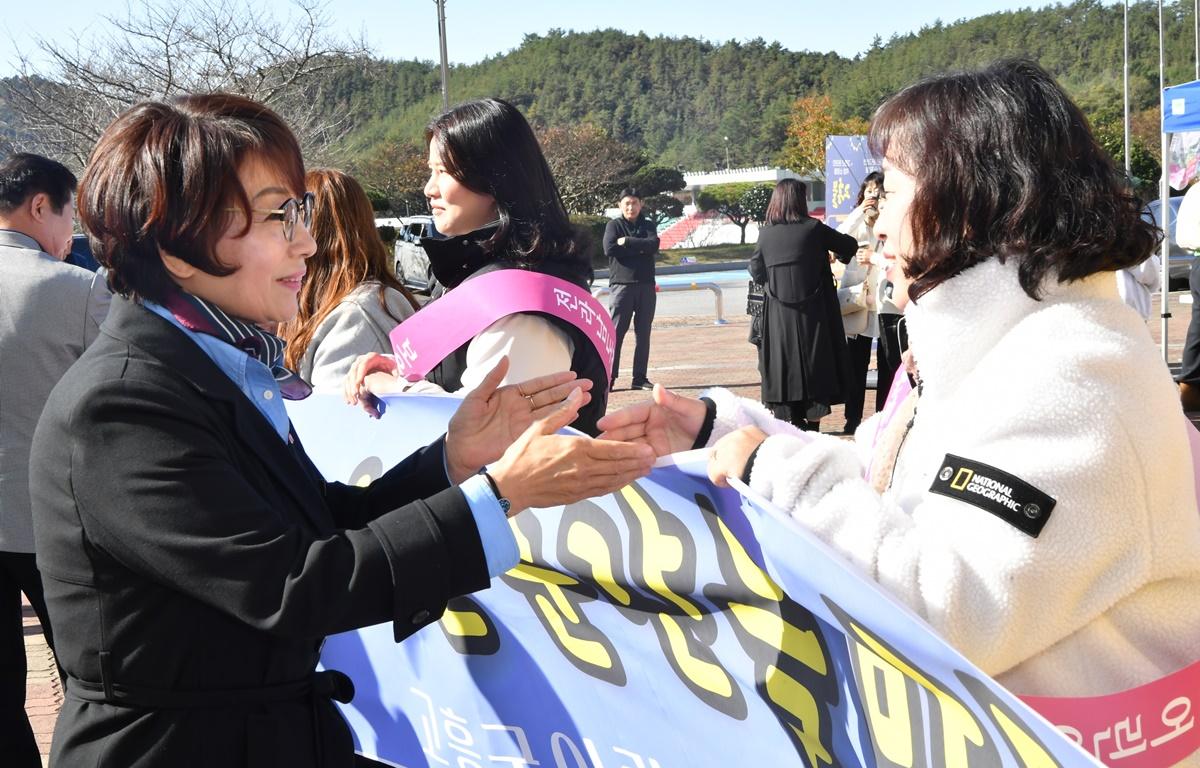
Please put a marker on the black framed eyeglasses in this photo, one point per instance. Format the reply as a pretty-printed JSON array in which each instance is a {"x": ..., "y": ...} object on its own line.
[{"x": 289, "y": 213}]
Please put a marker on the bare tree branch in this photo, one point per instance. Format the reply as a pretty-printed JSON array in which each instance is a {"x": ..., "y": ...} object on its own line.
[
  {"x": 158, "y": 49},
  {"x": 588, "y": 165}
]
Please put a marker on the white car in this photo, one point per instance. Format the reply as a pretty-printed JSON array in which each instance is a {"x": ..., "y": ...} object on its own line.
[{"x": 411, "y": 261}]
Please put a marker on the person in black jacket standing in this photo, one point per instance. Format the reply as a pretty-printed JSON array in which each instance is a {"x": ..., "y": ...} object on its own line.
[
  {"x": 803, "y": 358},
  {"x": 630, "y": 243}
]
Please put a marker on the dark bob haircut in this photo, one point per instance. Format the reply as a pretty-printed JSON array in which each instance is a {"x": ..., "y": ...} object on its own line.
[
  {"x": 488, "y": 146},
  {"x": 1006, "y": 166},
  {"x": 164, "y": 174},
  {"x": 23, "y": 175},
  {"x": 789, "y": 202},
  {"x": 873, "y": 176}
]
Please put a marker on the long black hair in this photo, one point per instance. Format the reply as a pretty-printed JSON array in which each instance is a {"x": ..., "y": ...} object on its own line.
[
  {"x": 1006, "y": 166},
  {"x": 488, "y": 146}
]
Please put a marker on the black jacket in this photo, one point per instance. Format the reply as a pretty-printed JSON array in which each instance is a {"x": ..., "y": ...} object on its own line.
[
  {"x": 193, "y": 561},
  {"x": 802, "y": 356},
  {"x": 632, "y": 262},
  {"x": 456, "y": 260}
]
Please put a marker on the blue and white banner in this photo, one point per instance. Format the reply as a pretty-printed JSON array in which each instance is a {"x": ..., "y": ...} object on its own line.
[
  {"x": 848, "y": 160},
  {"x": 670, "y": 624}
]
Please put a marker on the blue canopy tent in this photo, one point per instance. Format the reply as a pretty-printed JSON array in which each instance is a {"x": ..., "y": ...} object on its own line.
[{"x": 1180, "y": 113}]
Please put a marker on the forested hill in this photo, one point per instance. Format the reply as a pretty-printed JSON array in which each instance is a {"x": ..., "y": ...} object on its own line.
[
  {"x": 1080, "y": 43},
  {"x": 677, "y": 98},
  {"x": 674, "y": 98}
]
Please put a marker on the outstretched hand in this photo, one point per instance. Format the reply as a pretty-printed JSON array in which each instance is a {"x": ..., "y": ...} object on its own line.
[
  {"x": 370, "y": 375},
  {"x": 491, "y": 417},
  {"x": 544, "y": 469},
  {"x": 668, "y": 422}
]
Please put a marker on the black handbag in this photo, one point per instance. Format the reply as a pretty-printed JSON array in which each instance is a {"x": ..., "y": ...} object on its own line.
[{"x": 756, "y": 297}]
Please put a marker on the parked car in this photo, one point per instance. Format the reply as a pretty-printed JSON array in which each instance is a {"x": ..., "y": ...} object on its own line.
[
  {"x": 412, "y": 263},
  {"x": 1180, "y": 260}
]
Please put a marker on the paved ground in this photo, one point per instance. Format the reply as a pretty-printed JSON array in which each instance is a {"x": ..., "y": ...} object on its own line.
[
  {"x": 689, "y": 353},
  {"x": 43, "y": 691}
]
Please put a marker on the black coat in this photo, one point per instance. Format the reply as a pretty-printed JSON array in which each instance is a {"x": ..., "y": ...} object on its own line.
[
  {"x": 632, "y": 262},
  {"x": 803, "y": 352},
  {"x": 194, "y": 561}
]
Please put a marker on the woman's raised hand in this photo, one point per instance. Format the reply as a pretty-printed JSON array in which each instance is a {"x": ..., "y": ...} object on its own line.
[
  {"x": 667, "y": 422},
  {"x": 370, "y": 375},
  {"x": 544, "y": 469},
  {"x": 491, "y": 417}
]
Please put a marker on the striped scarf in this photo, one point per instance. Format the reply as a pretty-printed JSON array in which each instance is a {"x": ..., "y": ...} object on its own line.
[{"x": 201, "y": 316}]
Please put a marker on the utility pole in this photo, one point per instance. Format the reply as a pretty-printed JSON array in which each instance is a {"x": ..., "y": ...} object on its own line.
[
  {"x": 1128, "y": 164},
  {"x": 1164, "y": 190},
  {"x": 726, "y": 153},
  {"x": 441, "y": 10}
]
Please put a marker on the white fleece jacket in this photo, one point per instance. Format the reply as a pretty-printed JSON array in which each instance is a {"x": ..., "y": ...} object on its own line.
[{"x": 1069, "y": 395}]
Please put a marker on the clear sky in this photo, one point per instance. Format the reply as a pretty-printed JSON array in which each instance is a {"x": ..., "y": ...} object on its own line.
[{"x": 407, "y": 29}]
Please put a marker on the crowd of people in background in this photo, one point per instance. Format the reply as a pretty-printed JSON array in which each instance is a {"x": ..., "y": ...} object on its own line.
[{"x": 231, "y": 280}]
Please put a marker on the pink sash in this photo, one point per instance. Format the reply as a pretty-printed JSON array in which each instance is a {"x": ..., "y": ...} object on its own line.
[
  {"x": 431, "y": 335},
  {"x": 1145, "y": 727},
  {"x": 901, "y": 388}
]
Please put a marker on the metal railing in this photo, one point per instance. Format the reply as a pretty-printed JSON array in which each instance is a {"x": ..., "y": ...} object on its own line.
[{"x": 718, "y": 296}]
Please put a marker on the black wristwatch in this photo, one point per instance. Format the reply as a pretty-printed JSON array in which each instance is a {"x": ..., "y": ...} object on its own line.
[{"x": 505, "y": 504}]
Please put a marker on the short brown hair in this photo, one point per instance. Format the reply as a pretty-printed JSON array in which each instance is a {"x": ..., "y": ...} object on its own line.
[
  {"x": 1007, "y": 167},
  {"x": 163, "y": 175}
]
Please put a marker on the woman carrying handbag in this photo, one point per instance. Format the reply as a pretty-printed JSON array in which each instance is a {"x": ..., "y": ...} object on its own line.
[
  {"x": 858, "y": 284},
  {"x": 803, "y": 353}
]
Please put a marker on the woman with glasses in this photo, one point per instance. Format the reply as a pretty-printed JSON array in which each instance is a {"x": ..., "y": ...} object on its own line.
[
  {"x": 193, "y": 557},
  {"x": 350, "y": 301},
  {"x": 495, "y": 200}
]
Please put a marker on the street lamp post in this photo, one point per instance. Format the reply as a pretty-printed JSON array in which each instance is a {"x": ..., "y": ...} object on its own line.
[
  {"x": 1128, "y": 164},
  {"x": 726, "y": 153},
  {"x": 441, "y": 11}
]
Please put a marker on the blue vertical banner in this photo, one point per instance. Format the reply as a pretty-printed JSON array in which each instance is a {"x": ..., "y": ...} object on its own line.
[
  {"x": 669, "y": 624},
  {"x": 848, "y": 160}
]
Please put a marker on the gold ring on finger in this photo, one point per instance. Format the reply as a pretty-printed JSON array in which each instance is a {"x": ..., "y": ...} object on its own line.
[{"x": 532, "y": 405}]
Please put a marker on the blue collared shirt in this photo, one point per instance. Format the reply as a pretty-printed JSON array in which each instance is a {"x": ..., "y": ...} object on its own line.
[{"x": 257, "y": 383}]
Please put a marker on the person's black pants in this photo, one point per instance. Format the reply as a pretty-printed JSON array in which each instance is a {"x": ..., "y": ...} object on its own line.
[
  {"x": 859, "y": 349},
  {"x": 1189, "y": 373},
  {"x": 18, "y": 573},
  {"x": 892, "y": 343},
  {"x": 633, "y": 302},
  {"x": 799, "y": 414}
]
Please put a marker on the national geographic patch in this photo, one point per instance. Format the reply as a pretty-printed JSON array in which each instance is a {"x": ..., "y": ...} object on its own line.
[{"x": 1006, "y": 496}]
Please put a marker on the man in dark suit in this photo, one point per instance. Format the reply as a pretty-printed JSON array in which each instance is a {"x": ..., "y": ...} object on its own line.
[
  {"x": 49, "y": 313},
  {"x": 630, "y": 244}
]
